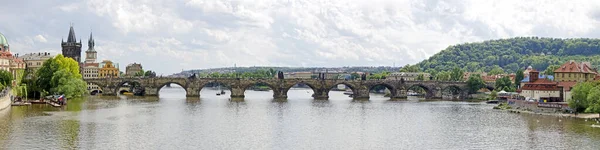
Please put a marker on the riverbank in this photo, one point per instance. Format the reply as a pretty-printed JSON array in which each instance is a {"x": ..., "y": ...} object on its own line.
[
  {"x": 5, "y": 99},
  {"x": 556, "y": 113}
]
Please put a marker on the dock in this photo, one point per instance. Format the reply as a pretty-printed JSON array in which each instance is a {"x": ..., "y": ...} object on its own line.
[
  {"x": 51, "y": 103},
  {"x": 20, "y": 104}
]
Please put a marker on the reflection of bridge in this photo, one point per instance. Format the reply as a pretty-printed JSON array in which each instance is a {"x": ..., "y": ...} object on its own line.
[{"x": 280, "y": 87}]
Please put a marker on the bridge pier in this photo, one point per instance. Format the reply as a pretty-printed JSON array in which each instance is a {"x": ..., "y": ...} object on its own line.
[
  {"x": 400, "y": 94},
  {"x": 192, "y": 92},
  {"x": 280, "y": 94},
  {"x": 237, "y": 92},
  {"x": 151, "y": 91},
  {"x": 361, "y": 94},
  {"x": 321, "y": 94}
]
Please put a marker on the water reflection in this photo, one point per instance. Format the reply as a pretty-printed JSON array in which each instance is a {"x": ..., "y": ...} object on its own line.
[{"x": 259, "y": 122}]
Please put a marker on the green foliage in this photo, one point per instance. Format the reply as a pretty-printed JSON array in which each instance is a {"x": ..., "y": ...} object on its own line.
[
  {"x": 443, "y": 76},
  {"x": 5, "y": 78},
  {"x": 580, "y": 94},
  {"x": 593, "y": 100},
  {"x": 353, "y": 76},
  {"x": 150, "y": 74},
  {"x": 493, "y": 95},
  {"x": 381, "y": 75},
  {"x": 505, "y": 84},
  {"x": 410, "y": 68},
  {"x": 519, "y": 76},
  {"x": 60, "y": 75},
  {"x": 496, "y": 70},
  {"x": 550, "y": 69},
  {"x": 457, "y": 74},
  {"x": 420, "y": 77},
  {"x": 514, "y": 53},
  {"x": 475, "y": 83}
]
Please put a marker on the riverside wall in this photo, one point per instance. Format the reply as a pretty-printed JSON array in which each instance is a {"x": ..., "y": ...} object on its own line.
[{"x": 5, "y": 99}]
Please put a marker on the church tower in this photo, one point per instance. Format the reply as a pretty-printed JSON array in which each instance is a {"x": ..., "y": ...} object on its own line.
[
  {"x": 71, "y": 48},
  {"x": 90, "y": 54}
]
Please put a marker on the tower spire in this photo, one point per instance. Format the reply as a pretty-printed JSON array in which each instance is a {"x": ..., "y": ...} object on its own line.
[
  {"x": 91, "y": 42},
  {"x": 71, "y": 38}
]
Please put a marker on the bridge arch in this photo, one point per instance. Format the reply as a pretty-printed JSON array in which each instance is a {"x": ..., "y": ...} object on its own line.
[
  {"x": 289, "y": 86},
  {"x": 276, "y": 90},
  {"x": 352, "y": 87},
  {"x": 119, "y": 85},
  {"x": 183, "y": 85},
  {"x": 453, "y": 89},
  {"x": 386, "y": 85}
]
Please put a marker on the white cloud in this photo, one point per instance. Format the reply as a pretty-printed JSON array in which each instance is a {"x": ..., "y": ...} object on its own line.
[
  {"x": 40, "y": 38},
  {"x": 168, "y": 36}
]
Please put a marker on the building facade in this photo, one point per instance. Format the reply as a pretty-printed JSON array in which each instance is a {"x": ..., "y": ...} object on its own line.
[
  {"x": 35, "y": 61},
  {"x": 573, "y": 71},
  {"x": 541, "y": 89},
  {"x": 8, "y": 61},
  {"x": 71, "y": 48},
  {"x": 108, "y": 70},
  {"x": 132, "y": 69},
  {"x": 90, "y": 67}
]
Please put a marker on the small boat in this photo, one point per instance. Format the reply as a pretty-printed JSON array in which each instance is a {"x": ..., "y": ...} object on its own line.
[
  {"x": 348, "y": 92},
  {"x": 127, "y": 93},
  {"x": 492, "y": 102},
  {"x": 220, "y": 93}
]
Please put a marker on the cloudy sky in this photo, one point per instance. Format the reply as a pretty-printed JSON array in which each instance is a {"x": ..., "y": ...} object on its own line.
[{"x": 170, "y": 35}]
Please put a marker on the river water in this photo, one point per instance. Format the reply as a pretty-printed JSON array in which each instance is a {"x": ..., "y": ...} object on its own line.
[{"x": 214, "y": 122}]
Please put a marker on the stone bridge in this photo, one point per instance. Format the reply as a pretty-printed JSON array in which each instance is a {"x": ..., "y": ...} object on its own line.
[{"x": 280, "y": 87}]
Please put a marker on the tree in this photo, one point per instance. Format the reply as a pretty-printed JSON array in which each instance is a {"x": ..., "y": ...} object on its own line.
[
  {"x": 504, "y": 83},
  {"x": 493, "y": 95},
  {"x": 6, "y": 78},
  {"x": 150, "y": 74},
  {"x": 443, "y": 76},
  {"x": 519, "y": 76},
  {"x": 457, "y": 74},
  {"x": 420, "y": 77},
  {"x": 579, "y": 93},
  {"x": 496, "y": 70},
  {"x": 593, "y": 101},
  {"x": 550, "y": 69},
  {"x": 409, "y": 68},
  {"x": 139, "y": 73},
  {"x": 475, "y": 83},
  {"x": 61, "y": 75}
]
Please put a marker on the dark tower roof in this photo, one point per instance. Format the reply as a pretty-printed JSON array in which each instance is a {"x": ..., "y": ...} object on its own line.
[
  {"x": 91, "y": 42},
  {"x": 71, "y": 38}
]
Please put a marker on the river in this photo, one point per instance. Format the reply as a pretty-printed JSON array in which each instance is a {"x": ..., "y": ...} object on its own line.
[{"x": 213, "y": 122}]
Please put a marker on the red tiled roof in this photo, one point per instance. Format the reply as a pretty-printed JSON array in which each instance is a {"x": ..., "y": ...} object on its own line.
[
  {"x": 567, "y": 85},
  {"x": 573, "y": 66},
  {"x": 541, "y": 85}
]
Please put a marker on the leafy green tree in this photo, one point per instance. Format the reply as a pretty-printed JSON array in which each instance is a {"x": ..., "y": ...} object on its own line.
[
  {"x": 410, "y": 68},
  {"x": 61, "y": 75},
  {"x": 519, "y": 76},
  {"x": 139, "y": 73},
  {"x": 496, "y": 70},
  {"x": 550, "y": 69},
  {"x": 579, "y": 93},
  {"x": 593, "y": 101},
  {"x": 150, "y": 74},
  {"x": 420, "y": 77},
  {"x": 505, "y": 84},
  {"x": 457, "y": 74},
  {"x": 475, "y": 83},
  {"x": 6, "y": 78},
  {"x": 443, "y": 76},
  {"x": 493, "y": 94}
]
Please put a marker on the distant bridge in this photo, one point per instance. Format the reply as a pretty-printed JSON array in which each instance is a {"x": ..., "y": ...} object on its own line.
[{"x": 280, "y": 87}]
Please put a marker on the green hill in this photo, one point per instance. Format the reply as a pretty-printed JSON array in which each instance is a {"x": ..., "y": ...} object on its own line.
[{"x": 513, "y": 54}]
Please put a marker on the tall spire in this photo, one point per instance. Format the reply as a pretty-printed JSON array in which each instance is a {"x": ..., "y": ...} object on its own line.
[
  {"x": 71, "y": 38},
  {"x": 91, "y": 42}
]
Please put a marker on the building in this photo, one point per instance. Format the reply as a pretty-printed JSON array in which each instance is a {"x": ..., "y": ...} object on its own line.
[
  {"x": 34, "y": 61},
  {"x": 527, "y": 70},
  {"x": 407, "y": 76},
  {"x": 298, "y": 75},
  {"x": 108, "y": 70},
  {"x": 541, "y": 89},
  {"x": 541, "y": 76},
  {"x": 71, "y": 48},
  {"x": 572, "y": 71},
  {"x": 8, "y": 61},
  {"x": 132, "y": 69},
  {"x": 90, "y": 68}
]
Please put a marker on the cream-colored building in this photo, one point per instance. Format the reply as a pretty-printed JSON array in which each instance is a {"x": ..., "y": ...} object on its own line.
[
  {"x": 90, "y": 67},
  {"x": 541, "y": 89},
  {"x": 35, "y": 61},
  {"x": 132, "y": 69}
]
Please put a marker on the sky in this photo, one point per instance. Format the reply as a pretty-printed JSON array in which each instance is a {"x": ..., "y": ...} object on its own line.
[{"x": 169, "y": 36}]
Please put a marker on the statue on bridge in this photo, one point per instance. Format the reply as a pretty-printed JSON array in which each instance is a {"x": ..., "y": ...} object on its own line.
[
  {"x": 363, "y": 76},
  {"x": 280, "y": 75},
  {"x": 192, "y": 77}
]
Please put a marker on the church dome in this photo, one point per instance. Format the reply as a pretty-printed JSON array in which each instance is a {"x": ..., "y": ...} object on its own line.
[{"x": 3, "y": 41}]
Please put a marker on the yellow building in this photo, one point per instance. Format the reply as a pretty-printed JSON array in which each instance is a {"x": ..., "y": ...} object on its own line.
[
  {"x": 575, "y": 72},
  {"x": 108, "y": 70}
]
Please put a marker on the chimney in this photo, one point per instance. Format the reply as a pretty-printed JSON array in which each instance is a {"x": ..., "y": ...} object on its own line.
[{"x": 533, "y": 75}]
